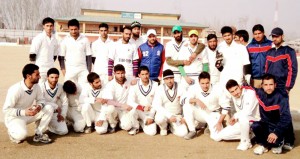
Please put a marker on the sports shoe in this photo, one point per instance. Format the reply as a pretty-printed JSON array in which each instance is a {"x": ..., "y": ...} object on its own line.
[
  {"x": 14, "y": 140},
  {"x": 259, "y": 150},
  {"x": 88, "y": 130},
  {"x": 288, "y": 146},
  {"x": 163, "y": 132},
  {"x": 133, "y": 131},
  {"x": 190, "y": 135},
  {"x": 111, "y": 130},
  {"x": 43, "y": 138},
  {"x": 244, "y": 146},
  {"x": 277, "y": 150}
]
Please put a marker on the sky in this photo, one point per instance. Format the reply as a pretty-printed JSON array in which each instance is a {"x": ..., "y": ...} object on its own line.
[{"x": 243, "y": 14}]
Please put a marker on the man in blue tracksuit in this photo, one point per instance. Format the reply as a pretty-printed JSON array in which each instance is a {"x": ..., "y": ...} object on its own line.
[
  {"x": 275, "y": 115},
  {"x": 281, "y": 61},
  {"x": 257, "y": 50}
]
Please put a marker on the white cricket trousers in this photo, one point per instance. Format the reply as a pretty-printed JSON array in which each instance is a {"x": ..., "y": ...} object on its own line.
[
  {"x": 59, "y": 128},
  {"x": 77, "y": 75},
  {"x": 128, "y": 119},
  {"x": 194, "y": 112},
  {"x": 74, "y": 116},
  {"x": 148, "y": 129},
  {"x": 17, "y": 125},
  {"x": 177, "y": 129}
]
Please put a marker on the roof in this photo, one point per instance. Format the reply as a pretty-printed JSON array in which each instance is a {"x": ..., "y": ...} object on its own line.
[{"x": 127, "y": 21}]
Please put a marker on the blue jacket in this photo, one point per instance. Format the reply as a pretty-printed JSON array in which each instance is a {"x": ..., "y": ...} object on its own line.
[
  {"x": 282, "y": 63},
  {"x": 257, "y": 54},
  {"x": 153, "y": 58},
  {"x": 274, "y": 110}
]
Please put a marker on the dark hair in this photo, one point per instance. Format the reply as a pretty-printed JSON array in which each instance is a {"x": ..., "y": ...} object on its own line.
[
  {"x": 268, "y": 77},
  {"x": 204, "y": 75},
  {"x": 231, "y": 83},
  {"x": 29, "y": 69},
  {"x": 52, "y": 71},
  {"x": 119, "y": 67},
  {"x": 143, "y": 68},
  {"x": 48, "y": 20},
  {"x": 226, "y": 29},
  {"x": 244, "y": 34},
  {"x": 103, "y": 25},
  {"x": 258, "y": 27},
  {"x": 73, "y": 22},
  {"x": 70, "y": 87},
  {"x": 211, "y": 36},
  {"x": 126, "y": 27},
  {"x": 91, "y": 77}
]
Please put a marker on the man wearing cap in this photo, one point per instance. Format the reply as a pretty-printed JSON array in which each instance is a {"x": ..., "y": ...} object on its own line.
[
  {"x": 211, "y": 51},
  {"x": 192, "y": 71},
  {"x": 167, "y": 106},
  {"x": 281, "y": 61},
  {"x": 257, "y": 49},
  {"x": 136, "y": 39},
  {"x": 176, "y": 47},
  {"x": 152, "y": 55}
]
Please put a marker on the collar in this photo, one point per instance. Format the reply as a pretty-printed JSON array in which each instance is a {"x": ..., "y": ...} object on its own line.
[
  {"x": 79, "y": 37},
  {"x": 175, "y": 43},
  {"x": 106, "y": 41},
  {"x": 282, "y": 45},
  {"x": 265, "y": 40},
  {"x": 140, "y": 83},
  {"x": 45, "y": 34},
  {"x": 24, "y": 87},
  {"x": 48, "y": 86}
]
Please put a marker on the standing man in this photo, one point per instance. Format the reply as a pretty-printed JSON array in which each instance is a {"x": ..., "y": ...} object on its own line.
[
  {"x": 44, "y": 49},
  {"x": 274, "y": 126},
  {"x": 136, "y": 39},
  {"x": 124, "y": 53},
  {"x": 75, "y": 57},
  {"x": 168, "y": 108},
  {"x": 257, "y": 49},
  {"x": 19, "y": 111},
  {"x": 152, "y": 55},
  {"x": 100, "y": 53},
  {"x": 56, "y": 97},
  {"x": 211, "y": 51},
  {"x": 241, "y": 37},
  {"x": 140, "y": 97}
]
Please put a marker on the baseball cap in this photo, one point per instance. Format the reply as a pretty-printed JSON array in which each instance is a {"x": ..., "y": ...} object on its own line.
[
  {"x": 276, "y": 32},
  {"x": 151, "y": 31},
  {"x": 176, "y": 28},
  {"x": 135, "y": 24},
  {"x": 191, "y": 32}
]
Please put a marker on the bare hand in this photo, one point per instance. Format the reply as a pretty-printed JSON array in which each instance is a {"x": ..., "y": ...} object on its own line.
[
  {"x": 58, "y": 110},
  {"x": 110, "y": 78},
  {"x": 173, "y": 119},
  {"x": 100, "y": 100},
  {"x": 133, "y": 82},
  {"x": 32, "y": 111},
  {"x": 99, "y": 123},
  {"x": 149, "y": 121},
  {"x": 186, "y": 62},
  {"x": 60, "y": 118},
  {"x": 192, "y": 57},
  {"x": 63, "y": 72},
  {"x": 218, "y": 127},
  {"x": 127, "y": 107},
  {"x": 272, "y": 138},
  {"x": 147, "y": 108},
  {"x": 232, "y": 121},
  {"x": 182, "y": 121},
  {"x": 201, "y": 105}
]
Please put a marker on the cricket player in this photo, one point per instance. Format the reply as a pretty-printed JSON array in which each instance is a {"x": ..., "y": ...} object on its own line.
[
  {"x": 141, "y": 97},
  {"x": 56, "y": 97},
  {"x": 211, "y": 51},
  {"x": 136, "y": 38},
  {"x": 167, "y": 106},
  {"x": 94, "y": 106},
  {"x": 19, "y": 108},
  {"x": 75, "y": 56},
  {"x": 44, "y": 49}
]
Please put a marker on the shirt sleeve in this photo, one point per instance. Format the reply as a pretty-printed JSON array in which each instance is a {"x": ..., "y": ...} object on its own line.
[
  {"x": 249, "y": 104},
  {"x": 135, "y": 55},
  {"x": 9, "y": 106},
  {"x": 63, "y": 48},
  {"x": 245, "y": 55},
  {"x": 158, "y": 104},
  {"x": 84, "y": 97},
  {"x": 93, "y": 49},
  {"x": 132, "y": 97},
  {"x": 35, "y": 45},
  {"x": 64, "y": 104},
  {"x": 88, "y": 51}
]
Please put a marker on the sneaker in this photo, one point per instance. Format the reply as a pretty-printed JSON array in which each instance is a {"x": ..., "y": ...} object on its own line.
[
  {"x": 88, "y": 130},
  {"x": 163, "y": 132},
  {"x": 14, "y": 140},
  {"x": 259, "y": 150},
  {"x": 111, "y": 130},
  {"x": 133, "y": 131},
  {"x": 43, "y": 138},
  {"x": 288, "y": 146},
  {"x": 244, "y": 146},
  {"x": 190, "y": 135},
  {"x": 277, "y": 150}
]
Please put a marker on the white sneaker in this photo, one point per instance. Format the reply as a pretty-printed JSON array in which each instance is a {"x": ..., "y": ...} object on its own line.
[
  {"x": 44, "y": 138},
  {"x": 259, "y": 150},
  {"x": 244, "y": 146},
  {"x": 288, "y": 146},
  {"x": 163, "y": 132},
  {"x": 133, "y": 131},
  {"x": 277, "y": 150},
  {"x": 190, "y": 135}
]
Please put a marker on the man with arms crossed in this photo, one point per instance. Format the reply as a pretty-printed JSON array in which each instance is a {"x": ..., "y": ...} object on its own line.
[
  {"x": 211, "y": 51},
  {"x": 19, "y": 111}
]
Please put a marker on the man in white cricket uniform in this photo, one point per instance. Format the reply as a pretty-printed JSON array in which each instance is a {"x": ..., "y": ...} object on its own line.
[
  {"x": 126, "y": 54},
  {"x": 19, "y": 111},
  {"x": 211, "y": 51},
  {"x": 118, "y": 90},
  {"x": 75, "y": 55},
  {"x": 94, "y": 106},
  {"x": 56, "y": 97},
  {"x": 202, "y": 105},
  {"x": 136, "y": 39},
  {"x": 74, "y": 115},
  {"x": 141, "y": 97},
  {"x": 167, "y": 106},
  {"x": 247, "y": 111},
  {"x": 100, "y": 52},
  {"x": 44, "y": 49}
]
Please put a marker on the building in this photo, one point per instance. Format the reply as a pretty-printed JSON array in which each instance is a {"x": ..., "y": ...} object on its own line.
[{"x": 162, "y": 22}]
